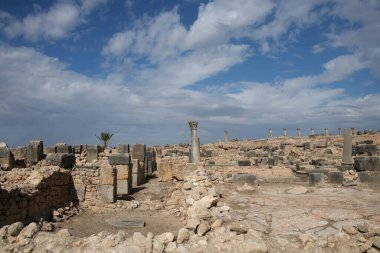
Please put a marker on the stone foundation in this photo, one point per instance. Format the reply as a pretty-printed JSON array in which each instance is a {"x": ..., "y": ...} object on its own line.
[{"x": 29, "y": 195}]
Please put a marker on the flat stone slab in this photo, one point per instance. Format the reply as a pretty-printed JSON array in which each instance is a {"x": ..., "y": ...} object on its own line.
[
  {"x": 297, "y": 190},
  {"x": 125, "y": 223}
]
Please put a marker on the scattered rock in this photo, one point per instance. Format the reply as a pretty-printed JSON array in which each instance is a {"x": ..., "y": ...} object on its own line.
[
  {"x": 203, "y": 228},
  {"x": 187, "y": 186},
  {"x": 376, "y": 242},
  {"x": 216, "y": 224},
  {"x": 351, "y": 230},
  {"x": 47, "y": 226},
  {"x": 15, "y": 228},
  {"x": 238, "y": 229},
  {"x": 29, "y": 231},
  {"x": 363, "y": 228},
  {"x": 365, "y": 246},
  {"x": 4, "y": 232},
  {"x": 192, "y": 224},
  {"x": 183, "y": 235}
]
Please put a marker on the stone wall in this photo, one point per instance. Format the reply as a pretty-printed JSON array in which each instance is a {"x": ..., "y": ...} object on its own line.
[
  {"x": 94, "y": 186},
  {"x": 28, "y": 195}
]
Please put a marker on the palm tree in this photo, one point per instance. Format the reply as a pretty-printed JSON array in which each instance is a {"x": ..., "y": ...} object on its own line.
[{"x": 105, "y": 137}]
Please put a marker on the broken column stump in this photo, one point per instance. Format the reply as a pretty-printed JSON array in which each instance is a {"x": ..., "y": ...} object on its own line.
[{"x": 34, "y": 152}]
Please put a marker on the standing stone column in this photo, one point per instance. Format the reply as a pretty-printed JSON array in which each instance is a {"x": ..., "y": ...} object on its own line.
[
  {"x": 353, "y": 130},
  {"x": 225, "y": 136},
  {"x": 35, "y": 152},
  {"x": 326, "y": 131},
  {"x": 312, "y": 132},
  {"x": 195, "y": 155},
  {"x": 285, "y": 132},
  {"x": 347, "y": 148},
  {"x": 298, "y": 131},
  {"x": 270, "y": 133},
  {"x": 340, "y": 131}
]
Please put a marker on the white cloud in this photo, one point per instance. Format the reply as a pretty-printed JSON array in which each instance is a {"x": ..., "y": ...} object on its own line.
[
  {"x": 294, "y": 14},
  {"x": 318, "y": 48},
  {"x": 157, "y": 38},
  {"x": 164, "y": 36},
  {"x": 154, "y": 99},
  {"x": 362, "y": 36},
  {"x": 89, "y": 5},
  {"x": 61, "y": 105},
  {"x": 52, "y": 24},
  {"x": 118, "y": 44},
  {"x": 195, "y": 66},
  {"x": 218, "y": 21}
]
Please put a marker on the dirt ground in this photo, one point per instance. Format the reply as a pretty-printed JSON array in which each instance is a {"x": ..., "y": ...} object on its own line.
[{"x": 157, "y": 222}]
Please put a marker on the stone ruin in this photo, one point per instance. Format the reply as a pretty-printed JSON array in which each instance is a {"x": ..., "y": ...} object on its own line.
[{"x": 316, "y": 193}]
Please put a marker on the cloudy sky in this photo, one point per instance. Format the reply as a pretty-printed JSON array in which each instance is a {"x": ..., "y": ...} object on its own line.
[{"x": 143, "y": 69}]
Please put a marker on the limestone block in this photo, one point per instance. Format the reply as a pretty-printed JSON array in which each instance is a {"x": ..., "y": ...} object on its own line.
[
  {"x": 48, "y": 150},
  {"x": 371, "y": 177},
  {"x": 137, "y": 172},
  {"x": 244, "y": 163},
  {"x": 369, "y": 149},
  {"x": 316, "y": 178},
  {"x": 138, "y": 152},
  {"x": 251, "y": 153},
  {"x": 78, "y": 149},
  {"x": 108, "y": 175},
  {"x": 20, "y": 156},
  {"x": 119, "y": 159},
  {"x": 34, "y": 152},
  {"x": 122, "y": 148},
  {"x": 124, "y": 187},
  {"x": 66, "y": 161},
  {"x": 151, "y": 153},
  {"x": 371, "y": 163},
  {"x": 63, "y": 148},
  {"x": 145, "y": 165},
  {"x": 335, "y": 177},
  {"x": 308, "y": 146},
  {"x": 273, "y": 161},
  {"x": 165, "y": 171},
  {"x": 92, "y": 152},
  {"x": 80, "y": 191},
  {"x": 123, "y": 171},
  {"x": 106, "y": 193},
  {"x": 6, "y": 157},
  {"x": 242, "y": 179},
  {"x": 158, "y": 152},
  {"x": 150, "y": 165}
]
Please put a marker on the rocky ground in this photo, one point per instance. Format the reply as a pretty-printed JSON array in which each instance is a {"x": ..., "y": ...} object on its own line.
[{"x": 208, "y": 211}]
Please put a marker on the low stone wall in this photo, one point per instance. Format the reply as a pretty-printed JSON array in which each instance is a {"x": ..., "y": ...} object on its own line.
[
  {"x": 94, "y": 186},
  {"x": 29, "y": 195}
]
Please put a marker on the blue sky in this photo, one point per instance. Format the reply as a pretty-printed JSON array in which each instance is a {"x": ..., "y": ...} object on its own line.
[{"x": 142, "y": 69}]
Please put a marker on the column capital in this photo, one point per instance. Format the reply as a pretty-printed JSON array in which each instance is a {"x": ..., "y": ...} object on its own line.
[{"x": 193, "y": 124}]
